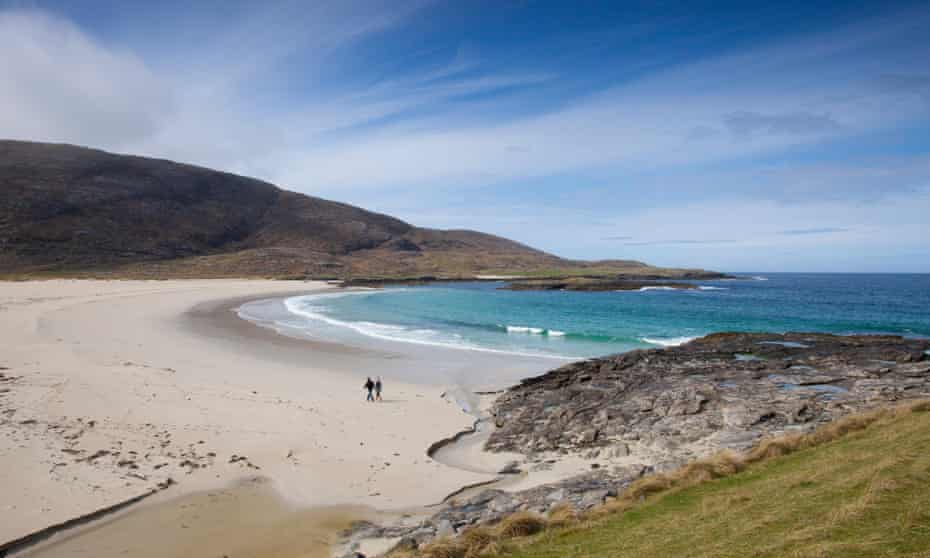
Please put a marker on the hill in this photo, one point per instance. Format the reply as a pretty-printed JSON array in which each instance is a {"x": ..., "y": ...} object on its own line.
[{"x": 68, "y": 210}]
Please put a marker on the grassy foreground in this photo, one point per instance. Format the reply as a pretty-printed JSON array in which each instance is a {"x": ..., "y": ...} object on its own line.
[{"x": 859, "y": 487}]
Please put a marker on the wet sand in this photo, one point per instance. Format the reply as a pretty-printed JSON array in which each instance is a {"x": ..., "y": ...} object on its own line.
[{"x": 247, "y": 520}]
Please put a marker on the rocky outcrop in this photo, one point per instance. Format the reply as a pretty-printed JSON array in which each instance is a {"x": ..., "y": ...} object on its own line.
[
  {"x": 636, "y": 413},
  {"x": 725, "y": 390},
  {"x": 596, "y": 285}
]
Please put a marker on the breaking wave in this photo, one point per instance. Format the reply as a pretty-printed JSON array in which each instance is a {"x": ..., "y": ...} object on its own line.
[
  {"x": 303, "y": 306},
  {"x": 667, "y": 341},
  {"x": 534, "y": 331}
]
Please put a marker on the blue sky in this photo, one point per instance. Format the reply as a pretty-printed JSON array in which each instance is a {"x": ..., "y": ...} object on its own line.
[{"x": 788, "y": 136}]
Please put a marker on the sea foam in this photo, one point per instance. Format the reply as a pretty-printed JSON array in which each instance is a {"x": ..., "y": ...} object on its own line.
[
  {"x": 534, "y": 331},
  {"x": 525, "y": 329},
  {"x": 303, "y": 306},
  {"x": 667, "y": 342}
]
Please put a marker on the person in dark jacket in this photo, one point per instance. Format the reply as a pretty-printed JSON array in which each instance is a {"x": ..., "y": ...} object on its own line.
[
  {"x": 369, "y": 385},
  {"x": 378, "y": 386}
]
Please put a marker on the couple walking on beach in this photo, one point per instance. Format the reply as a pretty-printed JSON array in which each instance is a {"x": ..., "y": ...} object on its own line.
[{"x": 373, "y": 386}]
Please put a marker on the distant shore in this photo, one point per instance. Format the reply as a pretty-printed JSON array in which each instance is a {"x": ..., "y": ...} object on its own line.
[{"x": 578, "y": 281}]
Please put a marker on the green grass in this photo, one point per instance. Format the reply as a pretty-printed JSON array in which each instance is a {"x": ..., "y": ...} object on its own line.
[{"x": 864, "y": 494}]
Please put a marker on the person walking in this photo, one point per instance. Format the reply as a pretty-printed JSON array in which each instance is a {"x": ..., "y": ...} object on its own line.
[
  {"x": 378, "y": 386},
  {"x": 369, "y": 385}
]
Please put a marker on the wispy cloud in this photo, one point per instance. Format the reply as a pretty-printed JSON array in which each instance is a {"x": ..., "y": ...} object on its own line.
[
  {"x": 747, "y": 124},
  {"x": 642, "y": 124},
  {"x": 58, "y": 84},
  {"x": 815, "y": 230},
  {"x": 680, "y": 242}
]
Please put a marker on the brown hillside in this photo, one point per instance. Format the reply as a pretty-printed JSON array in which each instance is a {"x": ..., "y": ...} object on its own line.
[{"x": 68, "y": 210}]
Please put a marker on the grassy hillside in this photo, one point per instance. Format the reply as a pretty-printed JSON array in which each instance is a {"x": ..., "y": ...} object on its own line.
[{"x": 865, "y": 493}]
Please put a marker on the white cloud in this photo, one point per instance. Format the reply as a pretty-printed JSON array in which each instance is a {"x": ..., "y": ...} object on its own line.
[
  {"x": 69, "y": 87},
  {"x": 192, "y": 104},
  {"x": 60, "y": 85}
]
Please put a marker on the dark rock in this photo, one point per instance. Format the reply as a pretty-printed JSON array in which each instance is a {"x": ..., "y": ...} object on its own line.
[
  {"x": 593, "y": 497},
  {"x": 512, "y": 468},
  {"x": 604, "y": 284},
  {"x": 670, "y": 398}
]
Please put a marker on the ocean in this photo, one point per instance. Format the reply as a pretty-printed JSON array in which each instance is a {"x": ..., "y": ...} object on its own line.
[{"x": 561, "y": 325}]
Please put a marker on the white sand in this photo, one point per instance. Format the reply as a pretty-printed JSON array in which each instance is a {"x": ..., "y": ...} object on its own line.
[{"x": 123, "y": 367}]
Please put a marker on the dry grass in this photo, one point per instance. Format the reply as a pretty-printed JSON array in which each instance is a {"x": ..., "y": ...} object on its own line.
[
  {"x": 482, "y": 540},
  {"x": 562, "y": 515},
  {"x": 920, "y": 406},
  {"x": 519, "y": 527},
  {"x": 445, "y": 547},
  {"x": 717, "y": 466},
  {"x": 521, "y": 524},
  {"x": 728, "y": 463},
  {"x": 784, "y": 445}
]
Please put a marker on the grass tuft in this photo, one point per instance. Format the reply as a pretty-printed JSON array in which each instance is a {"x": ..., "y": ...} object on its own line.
[
  {"x": 444, "y": 547},
  {"x": 521, "y": 524},
  {"x": 921, "y": 407},
  {"x": 562, "y": 515}
]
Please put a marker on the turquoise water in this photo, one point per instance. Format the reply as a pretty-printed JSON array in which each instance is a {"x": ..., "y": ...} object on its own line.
[{"x": 480, "y": 317}]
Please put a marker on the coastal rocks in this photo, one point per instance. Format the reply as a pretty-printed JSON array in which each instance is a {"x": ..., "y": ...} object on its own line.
[
  {"x": 492, "y": 505},
  {"x": 512, "y": 468},
  {"x": 557, "y": 495},
  {"x": 595, "y": 497},
  {"x": 617, "y": 282},
  {"x": 598, "y": 284},
  {"x": 588, "y": 436},
  {"x": 619, "y": 450},
  {"x": 714, "y": 393},
  {"x": 680, "y": 402},
  {"x": 444, "y": 528}
]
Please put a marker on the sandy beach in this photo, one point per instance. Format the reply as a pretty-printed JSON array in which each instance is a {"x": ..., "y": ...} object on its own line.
[{"x": 111, "y": 388}]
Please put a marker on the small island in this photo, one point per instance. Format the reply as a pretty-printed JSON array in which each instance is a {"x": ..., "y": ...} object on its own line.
[{"x": 619, "y": 283}]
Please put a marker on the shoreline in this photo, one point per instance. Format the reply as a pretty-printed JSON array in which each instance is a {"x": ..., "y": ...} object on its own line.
[
  {"x": 181, "y": 374},
  {"x": 472, "y": 368},
  {"x": 219, "y": 318}
]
